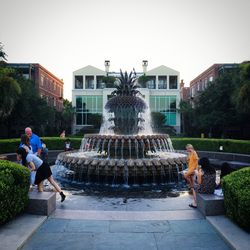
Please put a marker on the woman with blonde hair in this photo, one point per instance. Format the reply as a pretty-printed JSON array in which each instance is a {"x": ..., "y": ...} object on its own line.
[{"x": 192, "y": 165}]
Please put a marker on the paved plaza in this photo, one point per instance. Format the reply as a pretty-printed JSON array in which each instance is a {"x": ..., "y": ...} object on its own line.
[
  {"x": 88, "y": 222},
  {"x": 58, "y": 233},
  {"x": 93, "y": 222}
]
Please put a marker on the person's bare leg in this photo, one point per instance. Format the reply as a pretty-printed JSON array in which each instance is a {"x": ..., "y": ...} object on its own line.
[
  {"x": 40, "y": 187},
  {"x": 54, "y": 184},
  {"x": 194, "y": 196}
]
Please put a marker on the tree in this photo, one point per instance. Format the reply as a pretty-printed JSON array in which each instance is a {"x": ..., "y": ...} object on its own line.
[
  {"x": 30, "y": 110},
  {"x": 3, "y": 55},
  {"x": 242, "y": 93},
  {"x": 109, "y": 81},
  {"x": 67, "y": 116},
  {"x": 187, "y": 118},
  {"x": 142, "y": 80},
  {"x": 215, "y": 110},
  {"x": 10, "y": 92},
  {"x": 158, "y": 119}
]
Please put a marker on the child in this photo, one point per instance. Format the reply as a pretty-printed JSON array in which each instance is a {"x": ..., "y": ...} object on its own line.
[
  {"x": 67, "y": 146},
  {"x": 43, "y": 171}
]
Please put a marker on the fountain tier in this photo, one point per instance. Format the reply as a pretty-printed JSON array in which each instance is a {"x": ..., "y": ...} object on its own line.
[{"x": 126, "y": 159}]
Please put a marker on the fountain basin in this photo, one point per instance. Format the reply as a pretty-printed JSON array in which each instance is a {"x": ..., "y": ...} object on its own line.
[{"x": 116, "y": 159}]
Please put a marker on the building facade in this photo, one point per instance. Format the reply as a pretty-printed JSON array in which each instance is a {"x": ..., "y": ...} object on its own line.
[
  {"x": 201, "y": 82},
  {"x": 49, "y": 86},
  {"x": 90, "y": 93},
  {"x": 184, "y": 92}
]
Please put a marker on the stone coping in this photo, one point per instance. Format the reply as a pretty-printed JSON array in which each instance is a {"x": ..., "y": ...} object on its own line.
[
  {"x": 210, "y": 204},
  {"x": 41, "y": 203},
  {"x": 16, "y": 232},
  {"x": 236, "y": 237}
]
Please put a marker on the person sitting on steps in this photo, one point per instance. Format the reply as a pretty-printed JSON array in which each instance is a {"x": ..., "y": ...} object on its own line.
[{"x": 206, "y": 176}]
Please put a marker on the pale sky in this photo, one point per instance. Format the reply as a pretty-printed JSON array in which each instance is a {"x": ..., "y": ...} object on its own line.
[{"x": 65, "y": 35}]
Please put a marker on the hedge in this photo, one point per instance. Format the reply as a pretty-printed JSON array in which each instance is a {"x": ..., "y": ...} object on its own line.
[
  {"x": 229, "y": 145},
  {"x": 52, "y": 143},
  {"x": 236, "y": 189},
  {"x": 14, "y": 188}
]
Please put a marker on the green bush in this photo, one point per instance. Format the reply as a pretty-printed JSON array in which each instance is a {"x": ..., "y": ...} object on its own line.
[
  {"x": 14, "y": 188},
  {"x": 230, "y": 146},
  {"x": 9, "y": 145},
  {"x": 236, "y": 189},
  {"x": 54, "y": 143}
]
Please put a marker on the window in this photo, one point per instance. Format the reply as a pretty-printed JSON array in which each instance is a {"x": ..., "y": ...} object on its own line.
[
  {"x": 166, "y": 105},
  {"x": 89, "y": 82},
  {"x": 205, "y": 83},
  {"x": 172, "y": 82},
  {"x": 211, "y": 78},
  {"x": 86, "y": 105},
  {"x": 54, "y": 102},
  {"x": 151, "y": 82},
  {"x": 162, "y": 82},
  {"x": 100, "y": 83},
  {"x": 42, "y": 80},
  {"x": 198, "y": 86},
  {"x": 78, "y": 82}
]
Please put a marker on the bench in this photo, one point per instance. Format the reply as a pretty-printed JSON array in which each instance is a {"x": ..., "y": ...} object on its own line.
[
  {"x": 41, "y": 203},
  {"x": 210, "y": 204}
]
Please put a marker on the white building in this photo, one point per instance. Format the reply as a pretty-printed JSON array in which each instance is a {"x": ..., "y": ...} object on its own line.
[{"x": 161, "y": 91}]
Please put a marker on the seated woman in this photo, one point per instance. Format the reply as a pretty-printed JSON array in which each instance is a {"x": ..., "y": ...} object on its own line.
[
  {"x": 206, "y": 176},
  {"x": 42, "y": 169}
]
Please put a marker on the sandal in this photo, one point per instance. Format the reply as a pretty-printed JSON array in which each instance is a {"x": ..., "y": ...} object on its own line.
[{"x": 193, "y": 206}]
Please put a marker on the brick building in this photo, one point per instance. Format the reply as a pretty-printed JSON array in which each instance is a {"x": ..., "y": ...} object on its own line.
[
  {"x": 48, "y": 85},
  {"x": 184, "y": 92},
  {"x": 200, "y": 83}
]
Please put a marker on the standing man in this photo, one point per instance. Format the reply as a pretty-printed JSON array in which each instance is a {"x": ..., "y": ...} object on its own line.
[{"x": 35, "y": 141}]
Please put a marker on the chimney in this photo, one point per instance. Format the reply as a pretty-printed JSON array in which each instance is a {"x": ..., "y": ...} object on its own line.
[
  {"x": 107, "y": 64},
  {"x": 144, "y": 66}
]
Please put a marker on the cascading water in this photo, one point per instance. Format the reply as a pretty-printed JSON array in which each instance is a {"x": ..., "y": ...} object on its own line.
[{"x": 125, "y": 151}]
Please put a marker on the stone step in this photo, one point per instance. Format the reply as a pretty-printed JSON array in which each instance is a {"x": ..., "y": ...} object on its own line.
[
  {"x": 127, "y": 215},
  {"x": 41, "y": 203}
]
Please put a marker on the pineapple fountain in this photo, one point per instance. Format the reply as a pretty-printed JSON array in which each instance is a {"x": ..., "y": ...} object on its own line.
[{"x": 124, "y": 152}]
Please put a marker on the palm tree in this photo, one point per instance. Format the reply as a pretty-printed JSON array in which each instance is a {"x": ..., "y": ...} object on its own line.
[{"x": 2, "y": 53}]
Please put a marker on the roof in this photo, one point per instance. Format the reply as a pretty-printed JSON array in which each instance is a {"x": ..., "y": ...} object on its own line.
[{"x": 89, "y": 70}]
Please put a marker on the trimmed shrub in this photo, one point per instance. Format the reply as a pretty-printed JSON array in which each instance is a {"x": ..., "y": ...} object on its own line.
[
  {"x": 54, "y": 143},
  {"x": 14, "y": 188},
  {"x": 9, "y": 145},
  {"x": 236, "y": 189},
  {"x": 230, "y": 146}
]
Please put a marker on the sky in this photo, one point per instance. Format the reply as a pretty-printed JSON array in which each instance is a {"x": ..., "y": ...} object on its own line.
[{"x": 65, "y": 35}]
